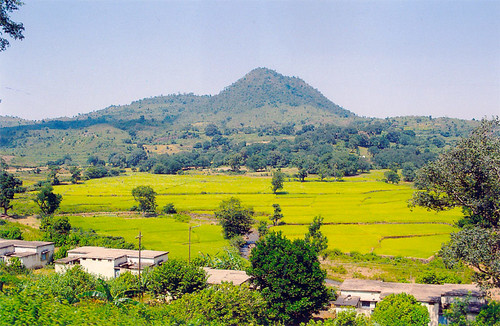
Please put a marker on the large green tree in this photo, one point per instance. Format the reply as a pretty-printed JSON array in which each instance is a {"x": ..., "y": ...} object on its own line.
[
  {"x": 277, "y": 181},
  {"x": 9, "y": 185},
  {"x": 47, "y": 200},
  {"x": 9, "y": 27},
  {"x": 289, "y": 277},
  {"x": 146, "y": 197},
  {"x": 234, "y": 218},
  {"x": 400, "y": 310},
  {"x": 176, "y": 277},
  {"x": 468, "y": 176}
]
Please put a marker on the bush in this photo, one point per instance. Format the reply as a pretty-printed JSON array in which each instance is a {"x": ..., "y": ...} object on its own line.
[{"x": 169, "y": 209}]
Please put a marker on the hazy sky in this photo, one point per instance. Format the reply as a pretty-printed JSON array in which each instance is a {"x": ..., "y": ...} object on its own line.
[{"x": 375, "y": 58}]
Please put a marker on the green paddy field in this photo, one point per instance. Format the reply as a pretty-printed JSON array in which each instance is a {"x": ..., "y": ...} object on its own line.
[{"x": 361, "y": 213}]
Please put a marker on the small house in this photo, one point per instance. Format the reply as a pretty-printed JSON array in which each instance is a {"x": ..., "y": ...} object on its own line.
[
  {"x": 110, "y": 263},
  {"x": 32, "y": 254}
]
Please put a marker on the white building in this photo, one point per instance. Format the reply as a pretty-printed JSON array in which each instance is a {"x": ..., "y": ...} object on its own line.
[
  {"x": 109, "y": 263},
  {"x": 363, "y": 295},
  {"x": 32, "y": 254}
]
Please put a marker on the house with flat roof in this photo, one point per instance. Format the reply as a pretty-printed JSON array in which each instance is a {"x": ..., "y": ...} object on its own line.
[
  {"x": 219, "y": 276},
  {"x": 110, "y": 263},
  {"x": 363, "y": 295},
  {"x": 32, "y": 254}
]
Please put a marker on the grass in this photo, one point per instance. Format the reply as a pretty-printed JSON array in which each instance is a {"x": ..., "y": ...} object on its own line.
[
  {"x": 159, "y": 233},
  {"x": 363, "y": 200}
]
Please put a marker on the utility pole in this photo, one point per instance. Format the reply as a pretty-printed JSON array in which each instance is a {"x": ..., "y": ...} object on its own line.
[
  {"x": 189, "y": 255},
  {"x": 140, "y": 284}
]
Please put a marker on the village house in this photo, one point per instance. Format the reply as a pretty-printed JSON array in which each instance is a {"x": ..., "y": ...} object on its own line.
[
  {"x": 363, "y": 295},
  {"x": 110, "y": 263},
  {"x": 219, "y": 276},
  {"x": 32, "y": 254}
]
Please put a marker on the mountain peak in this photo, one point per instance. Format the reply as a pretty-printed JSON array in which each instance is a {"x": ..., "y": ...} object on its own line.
[{"x": 264, "y": 86}]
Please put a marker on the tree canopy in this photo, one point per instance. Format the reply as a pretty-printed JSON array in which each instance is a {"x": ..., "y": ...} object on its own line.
[
  {"x": 146, "y": 197},
  {"x": 277, "y": 180},
  {"x": 47, "y": 200},
  {"x": 289, "y": 276},
  {"x": 234, "y": 218},
  {"x": 9, "y": 185},
  {"x": 468, "y": 176},
  {"x": 400, "y": 310},
  {"x": 9, "y": 27}
]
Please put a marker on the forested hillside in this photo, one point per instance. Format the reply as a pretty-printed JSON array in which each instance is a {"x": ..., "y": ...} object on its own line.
[{"x": 263, "y": 119}]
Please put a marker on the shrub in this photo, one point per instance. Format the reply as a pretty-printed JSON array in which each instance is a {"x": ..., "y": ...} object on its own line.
[{"x": 169, "y": 209}]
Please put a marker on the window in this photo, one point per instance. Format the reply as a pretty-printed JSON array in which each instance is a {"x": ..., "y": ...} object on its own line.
[
  {"x": 44, "y": 256},
  {"x": 365, "y": 304}
]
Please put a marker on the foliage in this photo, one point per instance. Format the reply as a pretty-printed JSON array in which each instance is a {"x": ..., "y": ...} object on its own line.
[
  {"x": 103, "y": 292},
  {"x": 146, "y": 197},
  {"x": 277, "y": 215},
  {"x": 400, "y": 310},
  {"x": 10, "y": 231},
  {"x": 229, "y": 258},
  {"x": 392, "y": 177},
  {"x": 489, "y": 314},
  {"x": 289, "y": 276},
  {"x": 436, "y": 277},
  {"x": 234, "y": 218},
  {"x": 47, "y": 200},
  {"x": 479, "y": 248},
  {"x": 409, "y": 171},
  {"x": 467, "y": 176},
  {"x": 175, "y": 278},
  {"x": 76, "y": 174},
  {"x": 314, "y": 236},
  {"x": 95, "y": 172},
  {"x": 9, "y": 27},
  {"x": 302, "y": 174},
  {"x": 277, "y": 180},
  {"x": 169, "y": 209},
  {"x": 262, "y": 228},
  {"x": 224, "y": 304},
  {"x": 235, "y": 161},
  {"x": 55, "y": 228},
  {"x": 9, "y": 185}
]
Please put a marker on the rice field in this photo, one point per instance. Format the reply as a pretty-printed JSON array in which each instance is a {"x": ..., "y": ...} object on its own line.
[{"x": 354, "y": 210}]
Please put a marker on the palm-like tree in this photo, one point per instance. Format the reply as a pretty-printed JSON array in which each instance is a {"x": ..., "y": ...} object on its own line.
[{"x": 103, "y": 293}]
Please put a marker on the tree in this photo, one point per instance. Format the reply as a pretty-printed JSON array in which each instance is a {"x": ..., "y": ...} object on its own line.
[
  {"x": 468, "y": 176},
  {"x": 9, "y": 27},
  {"x": 146, "y": 197},
  {"x": 47, "y": 200},
  {"x": 175, "y": 278},
  {"x": 9, "y": 185},
  {"x": 56, "y": 229},
  {"x": 103, "y": 293},
  {"x": 53, "y": 170},
  {"x": 314, "y": 236},
  {"x": 392, "y": 177},
  {"x": 277, "y": 215},
  {"x": 224, "y": 304},
  {"x": 302, "y": 174},
  {"x": 277, "y": 181},
  {"x": 289, "y": 276},
  {"x": 409, "y": 171},
  {"x": 400, "y": 310},
  {"x": 76, "y": 173},
  {"x": 235, "y": 219},
  {"x": 235, "y": 161}
]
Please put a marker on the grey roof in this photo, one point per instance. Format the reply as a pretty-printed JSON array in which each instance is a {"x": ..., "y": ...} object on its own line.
[
  {"x": 422, "y": 292},
  {"x": 217, "y": 276},
  {"x": 66, "y": 260},
  {"x": 347, "y": 301},
  {"x": 22, "y": 243},
  {"x": 109, "y": 253}
]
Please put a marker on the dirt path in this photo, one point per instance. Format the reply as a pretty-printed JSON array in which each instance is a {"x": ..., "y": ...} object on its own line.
[{"x": 30, "y": 220}]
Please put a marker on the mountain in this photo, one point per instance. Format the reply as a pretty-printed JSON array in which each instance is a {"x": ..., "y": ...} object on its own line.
[{"x": 261, "y": 97}]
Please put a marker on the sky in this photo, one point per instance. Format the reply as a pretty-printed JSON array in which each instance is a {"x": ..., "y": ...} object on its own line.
[{"x": 374, "y": 58}]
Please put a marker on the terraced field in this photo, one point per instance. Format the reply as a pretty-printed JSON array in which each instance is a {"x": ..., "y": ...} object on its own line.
[{"x": 362, "y": 213}]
